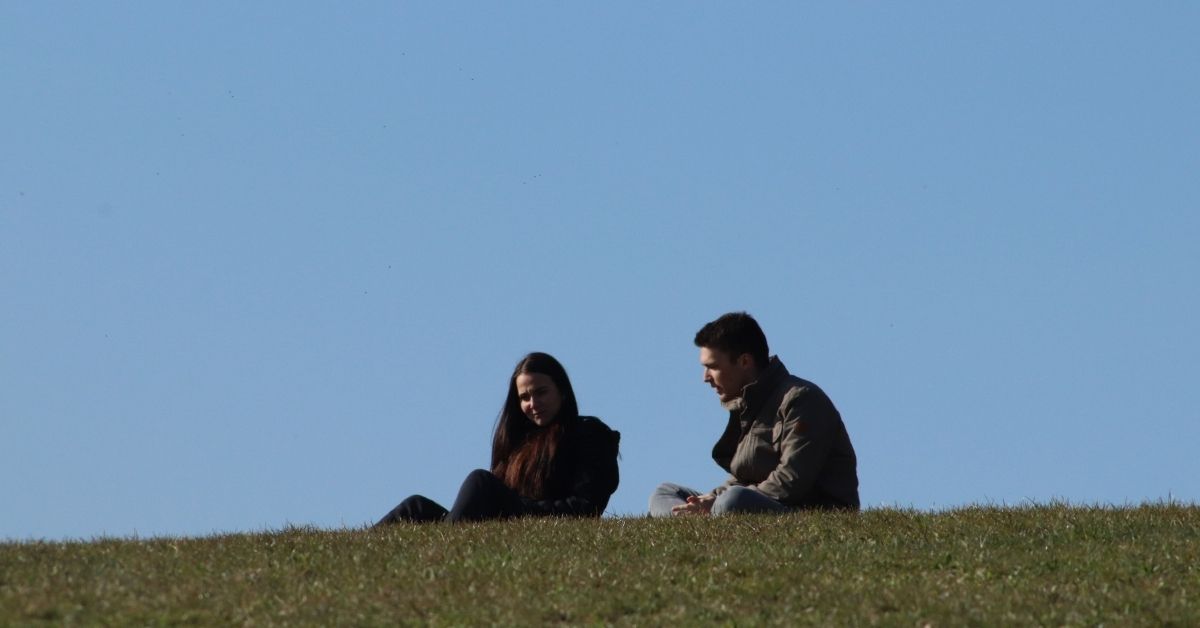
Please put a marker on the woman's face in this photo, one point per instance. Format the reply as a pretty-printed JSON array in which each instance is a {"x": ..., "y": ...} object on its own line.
[{"x": 540, "y": 398}]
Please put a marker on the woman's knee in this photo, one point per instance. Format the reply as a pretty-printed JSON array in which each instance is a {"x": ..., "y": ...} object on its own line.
[
  {"x": 413, "y": 508},
  {"x": 480, "y": 477},
  {"x": 413, "y": 501},
  {"x": 483, "y": 496},
  {"x": 478, "y": 483}
]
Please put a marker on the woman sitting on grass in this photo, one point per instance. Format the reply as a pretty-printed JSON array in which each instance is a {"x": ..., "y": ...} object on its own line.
[{"x": 546, "y": 459}]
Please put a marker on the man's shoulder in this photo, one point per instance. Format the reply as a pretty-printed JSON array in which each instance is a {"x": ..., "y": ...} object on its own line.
[
  {"x": 786, "y": 386},
  {"x": 793, "y": 389}
]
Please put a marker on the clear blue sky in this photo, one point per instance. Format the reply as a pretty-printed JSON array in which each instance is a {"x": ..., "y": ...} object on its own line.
[{"x": 272, "y": 263}]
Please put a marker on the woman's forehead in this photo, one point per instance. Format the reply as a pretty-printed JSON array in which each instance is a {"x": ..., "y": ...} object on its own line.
[{"x": 527, "y": 381}]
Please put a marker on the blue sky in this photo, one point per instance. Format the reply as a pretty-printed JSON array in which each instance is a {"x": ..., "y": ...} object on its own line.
[{"x": 270, "y": 264}]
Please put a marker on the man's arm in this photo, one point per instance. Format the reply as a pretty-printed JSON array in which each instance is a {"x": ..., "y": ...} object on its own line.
[{"x": 807, "y": 438}]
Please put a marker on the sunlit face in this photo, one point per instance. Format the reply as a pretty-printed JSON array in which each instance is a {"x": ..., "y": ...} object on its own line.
[
  {"x": 726, "y": 374},
  {"x": 540, "y": 397}
]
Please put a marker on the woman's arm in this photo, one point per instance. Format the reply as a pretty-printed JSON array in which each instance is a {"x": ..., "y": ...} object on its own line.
[{"x": 593, "y": 472}]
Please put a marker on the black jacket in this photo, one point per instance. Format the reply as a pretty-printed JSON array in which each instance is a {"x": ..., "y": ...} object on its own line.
[{"x": 584, "y": 473}]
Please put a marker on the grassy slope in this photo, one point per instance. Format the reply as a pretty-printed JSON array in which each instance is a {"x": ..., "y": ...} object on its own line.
[{"x": 1046, "y": 565}]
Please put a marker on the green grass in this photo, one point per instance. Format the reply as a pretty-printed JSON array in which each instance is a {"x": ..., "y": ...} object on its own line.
[{"x": 975, "y": 566}]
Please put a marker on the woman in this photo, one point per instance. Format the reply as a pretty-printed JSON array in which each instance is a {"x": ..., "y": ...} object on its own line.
[{"x": 546, "y": 459}]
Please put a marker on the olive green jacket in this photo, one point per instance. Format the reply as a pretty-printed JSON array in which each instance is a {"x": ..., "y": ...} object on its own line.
[{"x": 788, "y": 441}]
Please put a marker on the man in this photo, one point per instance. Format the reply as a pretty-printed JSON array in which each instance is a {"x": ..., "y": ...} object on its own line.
[{"x": 785, "y": 446}]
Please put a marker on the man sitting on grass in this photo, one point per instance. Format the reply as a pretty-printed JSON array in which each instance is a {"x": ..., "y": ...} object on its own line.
[{"x": 785, "y": 446}]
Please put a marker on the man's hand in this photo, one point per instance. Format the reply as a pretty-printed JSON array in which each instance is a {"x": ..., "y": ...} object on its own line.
[{"x": 701, "y": 505}]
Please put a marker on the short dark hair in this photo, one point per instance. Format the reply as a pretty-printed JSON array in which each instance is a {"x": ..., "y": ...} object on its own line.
[{"x": 736, "y": 333}]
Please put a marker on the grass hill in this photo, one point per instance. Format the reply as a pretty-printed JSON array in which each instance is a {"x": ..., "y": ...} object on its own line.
[{"x": 1052, "y": 564}]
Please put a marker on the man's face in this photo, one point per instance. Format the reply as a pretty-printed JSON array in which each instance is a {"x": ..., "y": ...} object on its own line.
[{"x": 726, "y": 374}]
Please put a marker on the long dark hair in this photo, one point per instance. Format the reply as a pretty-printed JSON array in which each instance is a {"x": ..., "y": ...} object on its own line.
[{"x": 522, "y": 452}]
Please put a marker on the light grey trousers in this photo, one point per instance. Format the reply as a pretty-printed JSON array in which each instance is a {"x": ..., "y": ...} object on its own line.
[{"x": 735, "y": 499}]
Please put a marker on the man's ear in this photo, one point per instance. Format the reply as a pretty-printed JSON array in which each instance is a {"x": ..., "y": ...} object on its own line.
[{"x": 745, "y": 361}]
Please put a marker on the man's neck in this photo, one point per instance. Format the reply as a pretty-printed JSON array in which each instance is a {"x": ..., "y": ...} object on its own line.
[{"x": 739, "y": 403}]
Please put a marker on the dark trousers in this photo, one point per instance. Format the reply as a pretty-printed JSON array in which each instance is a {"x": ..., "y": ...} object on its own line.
[{"x": 482, "y": 496}]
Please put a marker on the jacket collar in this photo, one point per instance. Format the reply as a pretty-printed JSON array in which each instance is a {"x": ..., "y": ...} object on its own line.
[
  {"x": 753, "y": 395},
  {"x": 756, "y": 392}
]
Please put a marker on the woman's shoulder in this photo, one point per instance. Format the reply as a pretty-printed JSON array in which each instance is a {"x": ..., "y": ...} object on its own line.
[{"x": 592, "y": 427}]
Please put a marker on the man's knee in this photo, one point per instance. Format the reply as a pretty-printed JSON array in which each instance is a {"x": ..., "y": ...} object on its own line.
[
  {"x": 670, "y": 492},
  {"x": 737, "y": 499},
  {"x": 667, "y": 496},
  {"x": 729, "y": 500},
  {"x": 669, "y": 488}
]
